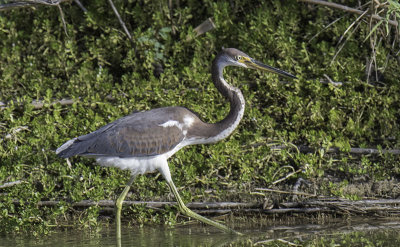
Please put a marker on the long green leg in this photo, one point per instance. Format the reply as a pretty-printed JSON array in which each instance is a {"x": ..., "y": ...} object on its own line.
[
  {"x": 118, "y": 205},
  {"x": 190, "y": 213}
]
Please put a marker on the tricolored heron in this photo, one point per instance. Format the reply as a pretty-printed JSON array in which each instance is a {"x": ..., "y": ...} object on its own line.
[{"x": 143, "y": 141}]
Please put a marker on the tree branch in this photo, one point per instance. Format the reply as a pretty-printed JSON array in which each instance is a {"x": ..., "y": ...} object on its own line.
[
  {"x": 120, "y": 20},
  {"x": 348, "y": 9},
  {"x": 29, "y": 3}
]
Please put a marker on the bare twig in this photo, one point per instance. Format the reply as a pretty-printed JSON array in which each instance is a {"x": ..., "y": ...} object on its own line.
[
  {"x": 38, "y": 104},
  {"x": 280, "y": 168},
  {"x": 192, "y": 205},
  {"x": 7, "y": 6},
  {"x": 15, "y": 131},
  {"x": 286, "y": 192},
  {"x": 63, "y": 19},
  {"x": 69, "y": 163},
  {"x": 9, "y": 184},
  {"x": 342, "y": 202},
  {"x": 330, "y": 81},
  {"x": 351, "y": 25},
  {"x": 323, "y": 29},
  {"x": 81, "y": 5},
  {"x": 348, "y": 9},
  {"x": 29, "y": 3},
  {"x": 306, "y": 149},
  {"x": 279, "y": 240},
  {"x": 286, "y": 177},
  {"x": 120, "y": 20},
  {"x": 202, "y": 205},
  {"x": 344, "y": 43}
]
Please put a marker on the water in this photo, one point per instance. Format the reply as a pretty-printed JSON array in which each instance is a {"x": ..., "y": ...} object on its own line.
[{"x": 360, "y": 232}]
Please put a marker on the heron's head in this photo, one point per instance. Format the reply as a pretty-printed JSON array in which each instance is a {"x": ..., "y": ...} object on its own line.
[{"x": 238, "y": 58}]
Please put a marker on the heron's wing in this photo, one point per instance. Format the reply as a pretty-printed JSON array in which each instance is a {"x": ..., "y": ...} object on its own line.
[{"x": 139, "y": 134}]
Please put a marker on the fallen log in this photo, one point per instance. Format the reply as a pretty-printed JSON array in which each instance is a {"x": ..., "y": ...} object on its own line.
[{"x": 338, "y": 206}]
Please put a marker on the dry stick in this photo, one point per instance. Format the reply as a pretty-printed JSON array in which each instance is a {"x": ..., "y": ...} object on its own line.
[
  {"x": 22, "y": 3},
  {"x": 336, "y": 201},
  {"x": 323, "y": 29},
  {"x": 192, "y": 205},
  {"x": 15, "y": 130},
  {"x": 120, "y": 20},
  {"x": 373, "y": 43},
  {"x": 278, "y": 239},
  {"x": 343, "y": 210},
  {"x": 286, "y": 192},
  {"x": 335, "y": 83},
  {"x": 69, "y": 164},
  {"x": 344, "y": 43},
  {"x": 8, "y": 6},
  {"x": 216, "y": 205},
  {"x": 306, "y": 149},
  {"x": 282, "y": 167},
  {"x": 38, "y": 104},
  {"x": 63, "y": 20},
  {"x": 348, "y": 9},
  {"x": 9, "y": 184},
  {"x": 351, "y": 25},
  {"x": 286, "y": 177},
  {"x": 81, "y": 5}
]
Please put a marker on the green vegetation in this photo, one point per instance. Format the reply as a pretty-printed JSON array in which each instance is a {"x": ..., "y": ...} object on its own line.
[{"x": 108, "y": 76}]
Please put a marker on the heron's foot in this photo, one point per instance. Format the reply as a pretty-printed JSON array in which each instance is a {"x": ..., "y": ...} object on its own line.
[
  {"x": 190, "y": 213},
  {"x": 205, "y": 220}
]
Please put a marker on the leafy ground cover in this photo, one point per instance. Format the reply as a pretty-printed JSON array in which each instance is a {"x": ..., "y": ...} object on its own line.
[{"x": 107, "y": 75}]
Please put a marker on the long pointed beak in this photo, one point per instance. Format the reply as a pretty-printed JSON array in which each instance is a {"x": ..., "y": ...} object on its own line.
[{"x": 252, "y": 63}]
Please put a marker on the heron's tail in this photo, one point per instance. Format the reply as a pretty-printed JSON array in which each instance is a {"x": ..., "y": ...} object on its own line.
[{"x": 70, "y": 148}]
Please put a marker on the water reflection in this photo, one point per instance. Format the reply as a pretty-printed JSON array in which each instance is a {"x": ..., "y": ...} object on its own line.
[{"x": 342, "y": 232}]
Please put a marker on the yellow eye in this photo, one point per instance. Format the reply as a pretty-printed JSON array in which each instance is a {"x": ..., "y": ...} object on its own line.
[{"x": 238, "y": 58}]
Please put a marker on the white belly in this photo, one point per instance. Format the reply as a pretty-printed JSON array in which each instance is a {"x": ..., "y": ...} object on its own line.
[
  {"x": 138, "y": 165},
  {"x": 141, "y": 165}
]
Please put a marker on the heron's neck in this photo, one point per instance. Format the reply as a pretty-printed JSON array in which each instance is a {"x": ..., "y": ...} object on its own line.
[{"x": 236, "y": 100}]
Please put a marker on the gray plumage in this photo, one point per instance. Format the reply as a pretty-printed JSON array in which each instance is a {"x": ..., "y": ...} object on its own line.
[{"x": 136, "y": 135}]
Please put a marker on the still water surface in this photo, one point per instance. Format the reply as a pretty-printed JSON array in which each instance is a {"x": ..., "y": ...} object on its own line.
[{"x": 364, "y": 232}]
